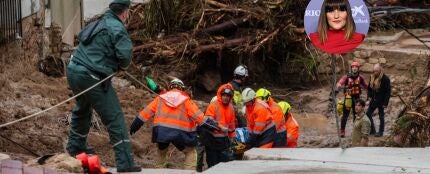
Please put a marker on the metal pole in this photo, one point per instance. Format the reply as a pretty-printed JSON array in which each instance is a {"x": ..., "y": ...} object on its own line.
[{"x": 333, "y": 68}]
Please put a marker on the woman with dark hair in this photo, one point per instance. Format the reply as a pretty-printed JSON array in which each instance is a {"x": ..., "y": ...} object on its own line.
[{"x": 336, "y": 28}]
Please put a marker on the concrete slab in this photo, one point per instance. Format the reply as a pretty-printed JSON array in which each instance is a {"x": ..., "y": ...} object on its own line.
[
  {"x": 302, "y": 166},
  {"x": 4, "y": 156},
  {"x": 417, "y": 158},
  {"x": 160, "y": 171}
]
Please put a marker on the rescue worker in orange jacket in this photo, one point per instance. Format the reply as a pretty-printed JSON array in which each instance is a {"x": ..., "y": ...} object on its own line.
[
  {"x": 175, "y": 119},
  {"x": 217, "y": 142},
  {"x": 291, "y": 124},
  {"x": 278, "y": 116},
  {"x": 262, "y": 130}
]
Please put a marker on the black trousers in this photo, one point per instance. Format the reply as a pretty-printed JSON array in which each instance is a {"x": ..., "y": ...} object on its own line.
[
  {"x": 214, "y": 156},
  {"x": 381, "y": 114},
  {"x": 200, "y": 156},
  {"x": 346, "y": 112}
]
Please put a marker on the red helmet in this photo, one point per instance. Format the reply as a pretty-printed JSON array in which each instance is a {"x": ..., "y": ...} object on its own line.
[{"x": 355, "y": 64}]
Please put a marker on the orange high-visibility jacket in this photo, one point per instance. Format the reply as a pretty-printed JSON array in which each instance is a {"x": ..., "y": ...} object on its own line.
[
  {"x": 175, "y": 118},
  {"x": 278, "y": 116},
  {"x": 260, "y": 123},
  {"x": 292, "y": 131},
  {"x": 223, "y": 114}
]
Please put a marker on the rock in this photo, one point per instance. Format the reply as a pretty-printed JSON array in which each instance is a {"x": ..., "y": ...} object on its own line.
[
  {"x": 62, "y": 162},
  {"x": 361, "y": 61},
  {"x": 373, "y": 60},
  {"x": 382, "y": 60},
  {"x": 402, "y": 79},
  {"x": 365, "y": 54},
  {"x": 210, "y": 80},
  {"x": 402, "y": 67},
  {"x": 389, "y": 65},
  {"x": 357, "y": 54},
  {"x": 120, "y": 83},
  {"x": 367, "y": 68},
  {"x": 394, "y": 91},
  {"x": 4, "y": 156}
]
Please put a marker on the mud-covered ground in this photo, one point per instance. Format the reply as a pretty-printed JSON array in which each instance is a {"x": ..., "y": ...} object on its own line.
[{"x": 24, "y": 91}]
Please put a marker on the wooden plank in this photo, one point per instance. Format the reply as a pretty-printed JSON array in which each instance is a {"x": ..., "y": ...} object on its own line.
[{"x": 33, "y": 170}]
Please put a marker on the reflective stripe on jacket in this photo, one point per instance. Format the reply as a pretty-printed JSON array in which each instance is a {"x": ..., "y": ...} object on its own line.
[
  {"x": 223, "y": 114},
  {"x": 278, "y": 116},
  {"x": 175, "y": 110},
  {"x": 260, "y": 123},
  {"x": 292, "y": 131}
]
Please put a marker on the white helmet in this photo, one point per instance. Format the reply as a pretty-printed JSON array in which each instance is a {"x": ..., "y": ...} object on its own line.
[
  {"x": 214, "y": 99},
  {"x": 177, "y": 83},
  {"x": 248, "y": 94},
  {"x": 241, "y": 70}
]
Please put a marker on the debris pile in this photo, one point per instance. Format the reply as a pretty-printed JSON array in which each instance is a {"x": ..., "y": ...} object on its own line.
[
  {"x": 177, "y": 38},
  {"x": 412, "y": 129}
]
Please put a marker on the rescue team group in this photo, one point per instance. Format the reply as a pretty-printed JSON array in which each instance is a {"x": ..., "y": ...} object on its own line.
[{"x": 223, "y": 132}]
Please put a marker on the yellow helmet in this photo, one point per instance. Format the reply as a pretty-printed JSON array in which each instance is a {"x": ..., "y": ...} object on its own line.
[
  {"x": 263, "y": 94},
  {"x": 284, "y": 106}
]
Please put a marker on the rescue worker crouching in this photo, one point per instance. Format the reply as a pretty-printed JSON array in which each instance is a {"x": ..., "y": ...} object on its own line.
[
  {"x": 217, "y": 142},
  {"x": 291, "y": 125},
  {"x": 175, "y": 119},
  {"x": 278, "y": 117},
  {"x": 262, "y": 131}
]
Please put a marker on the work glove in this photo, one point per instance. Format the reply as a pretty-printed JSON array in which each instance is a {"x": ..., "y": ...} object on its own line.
[
  {"x": 211, "y": 125},
  {"x": 136, "y": 125},
  {"x": 239, "y": 148}
]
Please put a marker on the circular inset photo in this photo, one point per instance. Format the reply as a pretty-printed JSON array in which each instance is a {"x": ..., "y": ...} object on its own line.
[{"x": 336, "y": 26}]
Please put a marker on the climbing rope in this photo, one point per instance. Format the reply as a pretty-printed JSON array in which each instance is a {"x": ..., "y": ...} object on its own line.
[{"x": 65, "y": 101}]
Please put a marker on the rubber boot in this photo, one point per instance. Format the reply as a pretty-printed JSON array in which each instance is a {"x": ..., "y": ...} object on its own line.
[
  {"x": 190, "y": 158},
  {"x": 124, "y": 159},
  {"x": 161, "y": 159},
  {"x": 342, "y": 133}
]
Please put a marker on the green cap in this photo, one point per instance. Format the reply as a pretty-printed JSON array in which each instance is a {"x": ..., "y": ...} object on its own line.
[{"x": 123, "y": 2}]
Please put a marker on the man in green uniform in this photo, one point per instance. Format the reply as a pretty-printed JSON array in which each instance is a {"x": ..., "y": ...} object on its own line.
[
  {"x": 104, "y": 49},
  {"x": 361, "y": 129}
]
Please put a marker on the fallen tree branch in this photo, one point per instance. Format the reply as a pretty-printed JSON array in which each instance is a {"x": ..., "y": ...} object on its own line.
[
  {"x": 220, "y": 46},
  {"x": 233, "y": 10},
  {"x": 417, "y": 114},
  {"x": 266, "y": 39},
  {"x": 154, "y": 43},
  {"x": 233, "y": 23},
  {"x": 217, "y": 4}
]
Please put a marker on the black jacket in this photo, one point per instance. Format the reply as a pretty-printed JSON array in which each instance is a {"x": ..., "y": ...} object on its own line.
[{"x": 381, "y": 96}]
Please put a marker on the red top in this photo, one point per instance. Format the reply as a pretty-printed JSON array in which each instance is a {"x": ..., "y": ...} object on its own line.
[{"x": 336, "y": 43}]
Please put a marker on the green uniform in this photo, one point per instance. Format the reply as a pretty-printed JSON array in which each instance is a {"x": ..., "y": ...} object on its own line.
[
  {"x": 104, "y": 48},
  {"x": 360, "y": 130}
]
